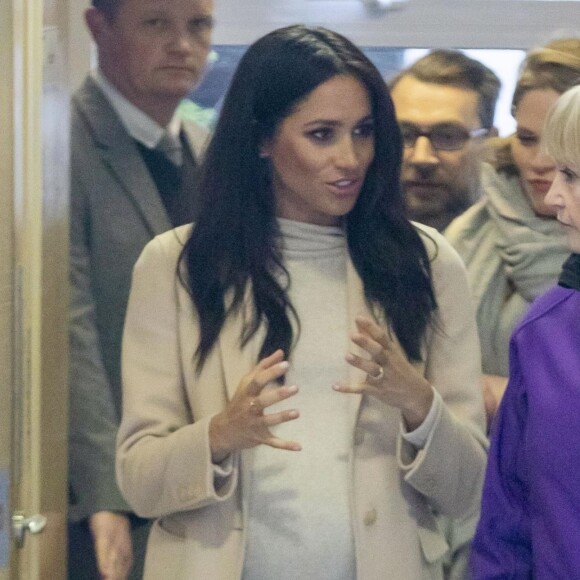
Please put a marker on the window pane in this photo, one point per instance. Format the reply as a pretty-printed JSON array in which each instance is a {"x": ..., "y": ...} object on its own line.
[{"x": 204, "y": 103}]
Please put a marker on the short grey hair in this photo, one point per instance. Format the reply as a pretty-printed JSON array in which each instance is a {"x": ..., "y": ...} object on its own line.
[{"x": 561, "y": 135}]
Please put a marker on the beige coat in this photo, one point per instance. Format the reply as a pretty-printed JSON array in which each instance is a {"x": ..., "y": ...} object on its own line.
[{"x": 399, "y": 496}]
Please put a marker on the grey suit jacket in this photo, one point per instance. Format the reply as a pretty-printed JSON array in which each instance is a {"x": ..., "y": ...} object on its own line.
[{"x": 115, "y": 210}]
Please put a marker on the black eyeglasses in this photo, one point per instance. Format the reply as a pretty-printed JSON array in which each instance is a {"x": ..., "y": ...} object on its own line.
[{"x": 442, "y": 137}]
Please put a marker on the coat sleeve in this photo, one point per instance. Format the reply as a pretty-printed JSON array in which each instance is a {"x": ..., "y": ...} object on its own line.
[
  {"x": 449, "y": 469},
  {"x": 93, "y": 419},
  {"x": 164, "y": 459},
  {"x": 502, "y": 545}
]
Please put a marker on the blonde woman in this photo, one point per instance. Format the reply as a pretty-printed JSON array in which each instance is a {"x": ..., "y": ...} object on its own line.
[{"x": 510, "y": 240}]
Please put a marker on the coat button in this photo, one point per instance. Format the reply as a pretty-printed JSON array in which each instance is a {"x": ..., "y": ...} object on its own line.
[{"x": 370, "y": 517}]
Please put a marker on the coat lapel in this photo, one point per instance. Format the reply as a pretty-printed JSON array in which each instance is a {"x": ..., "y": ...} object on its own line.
[
  {"x": 121, "y": 155},
  {"x": 137, "y": 183},
  {"x": 356, "y": 307},
  {"x": 237, "y": 361}
]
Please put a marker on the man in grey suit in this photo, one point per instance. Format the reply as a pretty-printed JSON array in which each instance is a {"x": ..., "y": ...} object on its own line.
[{"x": 133, "y": 172}]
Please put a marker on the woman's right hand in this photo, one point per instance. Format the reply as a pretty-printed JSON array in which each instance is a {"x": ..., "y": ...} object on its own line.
[{"x": 243, "y": 424}]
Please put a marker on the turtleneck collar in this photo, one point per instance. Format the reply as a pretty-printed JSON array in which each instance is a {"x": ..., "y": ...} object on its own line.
[{"x": 302, "y": 240}]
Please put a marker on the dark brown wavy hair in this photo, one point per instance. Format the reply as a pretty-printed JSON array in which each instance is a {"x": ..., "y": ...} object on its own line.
[{"x": 234, "y": 248}]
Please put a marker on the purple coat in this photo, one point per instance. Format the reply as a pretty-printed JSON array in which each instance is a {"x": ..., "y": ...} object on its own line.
[{"x": 530, "y": 519}]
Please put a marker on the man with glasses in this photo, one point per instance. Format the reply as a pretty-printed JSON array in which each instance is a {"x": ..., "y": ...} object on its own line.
[{"x": 445, "y": 105}]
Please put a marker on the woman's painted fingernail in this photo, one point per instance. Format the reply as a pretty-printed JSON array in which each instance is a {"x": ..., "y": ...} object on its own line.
[{"x": 284, "y": 365}]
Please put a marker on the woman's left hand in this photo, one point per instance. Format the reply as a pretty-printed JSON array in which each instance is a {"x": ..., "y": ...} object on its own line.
[{"x": 391, "y": 378}]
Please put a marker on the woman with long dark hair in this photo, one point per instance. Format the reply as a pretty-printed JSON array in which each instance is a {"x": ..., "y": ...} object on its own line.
[{"x": 301, "y": 368}]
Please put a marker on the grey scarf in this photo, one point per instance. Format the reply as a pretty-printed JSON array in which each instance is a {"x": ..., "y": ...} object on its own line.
[{"x": 512, "y": 256}]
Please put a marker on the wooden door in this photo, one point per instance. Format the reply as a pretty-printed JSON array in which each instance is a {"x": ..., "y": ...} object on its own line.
[{"x": 33, "y": 284}]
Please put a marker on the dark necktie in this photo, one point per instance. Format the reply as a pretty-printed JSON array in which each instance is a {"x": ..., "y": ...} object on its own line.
[{"x": 171, "y": 147}]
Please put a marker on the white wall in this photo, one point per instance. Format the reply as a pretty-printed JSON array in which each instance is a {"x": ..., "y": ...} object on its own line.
[
  {"x": 417, "y": 23},
  {"x": 79, "y": 56}
]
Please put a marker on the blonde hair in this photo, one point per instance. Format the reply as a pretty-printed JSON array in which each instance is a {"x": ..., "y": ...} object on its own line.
[
  {"x": 554, "y": 66},
  {"x": 561, "y": 136}
]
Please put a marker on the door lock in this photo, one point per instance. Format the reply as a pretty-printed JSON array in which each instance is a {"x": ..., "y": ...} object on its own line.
[{"x": 22, "y": 524}]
